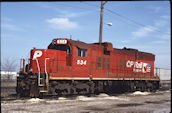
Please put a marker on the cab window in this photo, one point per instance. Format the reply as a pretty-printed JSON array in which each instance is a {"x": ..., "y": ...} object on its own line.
[
  {"x": 66, "y": 48},
  {"x": 82, "y": 52}
]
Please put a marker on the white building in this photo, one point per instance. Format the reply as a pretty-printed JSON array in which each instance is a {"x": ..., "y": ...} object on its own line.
[
  {"x": 11, "y": 75},
  {"x": 164, "y": 74}
]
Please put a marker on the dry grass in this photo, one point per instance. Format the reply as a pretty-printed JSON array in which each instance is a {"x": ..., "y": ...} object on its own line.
[{"x": 8, "y": 87}]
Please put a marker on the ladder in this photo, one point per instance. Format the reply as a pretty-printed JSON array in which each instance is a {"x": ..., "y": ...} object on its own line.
[
  {"x": 43, "y": 83},
  {"x": 43, "y": 78}
]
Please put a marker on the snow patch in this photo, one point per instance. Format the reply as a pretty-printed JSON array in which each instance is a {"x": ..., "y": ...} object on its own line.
[
  {"x": 34, "y": 100},
  {"x": 84, "y": 98},
  {"x": 140, "y": 93},
  {"x": 117, "y": 98},
  {"x": 52, "y": 101},
  {"x": 103, "y": 95},
  {"x": 61, "y": 98},
  {"x": 167, "y": 91}
]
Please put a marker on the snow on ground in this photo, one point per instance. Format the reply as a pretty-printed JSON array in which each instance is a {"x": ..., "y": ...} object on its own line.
[
  {"x": 117, "y": 98},
  {"x": 103, "y": 95},
  {"x": 62, "y": 98},
  {"x": 102, "y": 103},
  {"x": 140, "y": 93},
  {"x": 84, "y": 98},
  {"x": 34, "y": 100},
  {"x": 168, "y": 91}
]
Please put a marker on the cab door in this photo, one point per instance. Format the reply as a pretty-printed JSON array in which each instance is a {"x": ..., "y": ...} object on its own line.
[{"x": 69, "y": 56}]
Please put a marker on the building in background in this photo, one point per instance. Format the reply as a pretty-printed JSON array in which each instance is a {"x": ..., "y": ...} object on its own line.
[
  {"x": 164, "y": 74},
  {"x": 9, "y": 75}
]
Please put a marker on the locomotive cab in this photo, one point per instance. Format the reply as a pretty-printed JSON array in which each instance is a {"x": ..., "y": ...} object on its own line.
[{"x": 62, "y": 45}]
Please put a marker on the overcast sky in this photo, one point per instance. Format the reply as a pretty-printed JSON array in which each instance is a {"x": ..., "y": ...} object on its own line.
[{"x": 143, "y": 25}]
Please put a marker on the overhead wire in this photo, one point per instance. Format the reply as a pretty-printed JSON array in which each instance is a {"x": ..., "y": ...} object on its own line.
[
  {"x": 70, "y": 5},
  {"x": 134, "y": 21},
  {"x": 129, "y": 19},
  {"x": 122, "y": 20},
  {"x": 107, "y": 13},
  {"x": 90, "y": 4}
]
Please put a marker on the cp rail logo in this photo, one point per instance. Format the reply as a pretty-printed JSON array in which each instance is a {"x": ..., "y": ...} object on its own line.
[
  {"x": 139, "y": 66},
  {"x": 37, "y": 54}
]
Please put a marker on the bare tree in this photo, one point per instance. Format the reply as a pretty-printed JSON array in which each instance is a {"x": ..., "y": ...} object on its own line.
[{"x": 9, "y": 65}]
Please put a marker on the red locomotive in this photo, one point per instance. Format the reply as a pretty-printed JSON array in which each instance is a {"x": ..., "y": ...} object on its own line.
[{"x": 74, "y": 67}]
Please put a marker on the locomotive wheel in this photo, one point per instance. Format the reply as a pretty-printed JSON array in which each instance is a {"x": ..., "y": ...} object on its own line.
[
  {"x": 132, "y": 87},
  {"x": 149, "y": 87},
  {"x": 91, "y": 89},
  {"x": 34, "y": 92},
  {"x": 64, "y": 88},
  {"x": 22, "y": 88},
  {"x": 143, "y": 88},
  {"x": 41, "y": 95},
  {"x": 73, "y": 90}
]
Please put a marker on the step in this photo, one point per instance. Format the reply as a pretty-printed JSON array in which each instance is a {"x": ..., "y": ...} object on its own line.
[
  {"x": 42, "y": 85},
  {"x": 43, "y": 91}
]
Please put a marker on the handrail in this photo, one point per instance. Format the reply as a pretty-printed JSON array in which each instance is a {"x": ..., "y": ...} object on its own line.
[
  {"x": 23, "y": 65},
  {"x": 20, "y": 65},
  {"x": 38, "y": 70},
  {"x": 28, "y": 66},
  {"x": 46, "y": 70}
]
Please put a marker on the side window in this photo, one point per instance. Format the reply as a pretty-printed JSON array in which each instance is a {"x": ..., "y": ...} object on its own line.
[
  {"x": 68, "y": 49},
  {"x": 106, "y": 63},
  {"x": 82, "y": 52},
  {"x": 124, "y": 64},
  {"x": 106, "y": 52},
  {"x": 98, "y": 62},
  {"x": 120, "y": 64}
]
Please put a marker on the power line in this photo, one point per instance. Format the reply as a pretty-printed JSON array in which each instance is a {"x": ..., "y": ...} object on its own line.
[
  {"x": 91, "y": 4},
  {"x": 126, "y": 18},
  {"x": 70, "y": 5},
  {"x": 133, "y": 21},
  {"x": 122, "y": 20}
]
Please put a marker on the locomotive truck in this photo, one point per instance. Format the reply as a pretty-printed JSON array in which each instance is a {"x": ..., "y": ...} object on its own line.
[{"x": 69, "y": 67}]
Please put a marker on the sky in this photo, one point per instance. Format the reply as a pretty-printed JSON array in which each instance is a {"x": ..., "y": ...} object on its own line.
[{"x": 143, "y": 25}]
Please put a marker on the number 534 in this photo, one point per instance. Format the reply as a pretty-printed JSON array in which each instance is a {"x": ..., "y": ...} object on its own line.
[{"x": 81, "y": 62}]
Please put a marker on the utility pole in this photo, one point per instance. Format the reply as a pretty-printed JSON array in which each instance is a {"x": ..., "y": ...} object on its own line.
[{"x": 101, "y": 22}]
